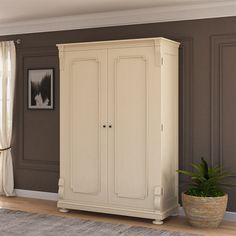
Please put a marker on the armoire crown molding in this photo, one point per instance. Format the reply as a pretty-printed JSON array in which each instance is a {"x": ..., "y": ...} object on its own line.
[{"x": 125, "y": 17}]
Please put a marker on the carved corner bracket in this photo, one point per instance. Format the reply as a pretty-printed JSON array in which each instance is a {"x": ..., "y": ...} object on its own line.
[
  {"x": 157, "y": 197},
  {"x": 61, "y": 56},
  {"x": 61, "y": 184}
]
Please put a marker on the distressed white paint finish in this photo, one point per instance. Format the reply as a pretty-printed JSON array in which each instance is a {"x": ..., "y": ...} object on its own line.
[
  {"x": 115, "y": 98},
  {"x": 130, "y": 138},
  {"x": 169, "y": 117},
  {"x": 130, "y": 166},
  {"x": 83, "y": 141},
  {"x": 85, "y": 119}
]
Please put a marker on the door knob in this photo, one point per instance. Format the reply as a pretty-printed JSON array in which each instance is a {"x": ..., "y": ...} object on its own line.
[
  {"x": 110, "y": 126},
  {"x": 104, "y": 126}
]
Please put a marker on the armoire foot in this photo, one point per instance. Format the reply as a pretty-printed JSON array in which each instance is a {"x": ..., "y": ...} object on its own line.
[
  {"x": 63, "y": 210},
  {"x": 157, "y": 222}
]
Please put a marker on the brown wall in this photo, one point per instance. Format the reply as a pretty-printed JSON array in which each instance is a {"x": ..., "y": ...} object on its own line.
[{"x": 207, "y": 96}]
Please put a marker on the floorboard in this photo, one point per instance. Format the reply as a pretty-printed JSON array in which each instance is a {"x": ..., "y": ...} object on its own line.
[{"x": 176, "y": 223}]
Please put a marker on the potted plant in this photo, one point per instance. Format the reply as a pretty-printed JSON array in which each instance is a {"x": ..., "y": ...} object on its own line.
[{"x": 204, "y": 202}]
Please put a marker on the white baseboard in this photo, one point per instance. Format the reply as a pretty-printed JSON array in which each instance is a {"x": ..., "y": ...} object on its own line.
[
  {"x": 36, "y": 194},
  {"x": 230, "y": 216}
]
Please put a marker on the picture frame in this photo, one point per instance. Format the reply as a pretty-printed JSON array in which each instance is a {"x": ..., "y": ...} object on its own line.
[{"x": 40, "y": 89}]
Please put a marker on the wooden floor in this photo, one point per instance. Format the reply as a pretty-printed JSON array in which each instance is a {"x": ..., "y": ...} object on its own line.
[{"x": 178, "y": 224}]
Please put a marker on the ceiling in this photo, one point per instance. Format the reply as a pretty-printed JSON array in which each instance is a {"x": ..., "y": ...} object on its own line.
[
  {"x": 21, "y": 10},
  {"x": 22, "y": 13}
]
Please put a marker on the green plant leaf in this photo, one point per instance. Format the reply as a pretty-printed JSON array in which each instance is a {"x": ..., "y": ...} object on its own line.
[
  {"x": 185, "y": 172},
  {"x": 199, "y": 168},
  {"x": 205, "y": 167},
  {"x": 205, "y": 181}
]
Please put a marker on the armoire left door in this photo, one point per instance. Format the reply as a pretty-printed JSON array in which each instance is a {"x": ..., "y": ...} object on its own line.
[{"x": 83, "y": 130}]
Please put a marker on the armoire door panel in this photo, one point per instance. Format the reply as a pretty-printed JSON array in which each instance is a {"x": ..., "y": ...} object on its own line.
[
  {"x": 88, "y": 111},
  {"x": 130, "y": 75},
  {"x": 128, "y": 72},
  {"x": 85, "y": 162}
]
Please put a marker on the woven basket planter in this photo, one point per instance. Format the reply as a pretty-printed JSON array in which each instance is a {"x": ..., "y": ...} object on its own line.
[{"x": 205, "y": 212}]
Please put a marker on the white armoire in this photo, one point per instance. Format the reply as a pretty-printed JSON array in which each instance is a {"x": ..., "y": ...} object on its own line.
[{"x": 119, "y": 127}]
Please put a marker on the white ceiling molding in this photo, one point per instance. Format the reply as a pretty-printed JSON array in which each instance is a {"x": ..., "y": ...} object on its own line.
[{"x": 128, "y": 17}]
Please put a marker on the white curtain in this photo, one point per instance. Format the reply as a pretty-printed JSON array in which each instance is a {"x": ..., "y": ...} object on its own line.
[{"x": 7, "y": 85}]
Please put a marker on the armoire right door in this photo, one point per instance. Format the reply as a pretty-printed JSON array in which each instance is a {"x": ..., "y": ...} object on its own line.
[{"x": 134, "y": 126}]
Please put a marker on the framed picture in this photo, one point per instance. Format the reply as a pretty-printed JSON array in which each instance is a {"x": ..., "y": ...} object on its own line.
[{"x": 41, "y": 89}]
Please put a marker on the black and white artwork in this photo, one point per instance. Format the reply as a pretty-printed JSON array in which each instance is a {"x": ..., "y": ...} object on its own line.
[{"x": 40, "y": 89}]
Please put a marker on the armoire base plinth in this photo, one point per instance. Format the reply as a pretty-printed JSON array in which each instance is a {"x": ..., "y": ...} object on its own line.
[{"x": 108, "y": 209}]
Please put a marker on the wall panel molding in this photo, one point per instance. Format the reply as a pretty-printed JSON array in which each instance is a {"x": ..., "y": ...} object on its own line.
[
  {"x": 186, "y": 108},
  {"x": 23, "y": 159},
  {"x": 218, "y": 44}
]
